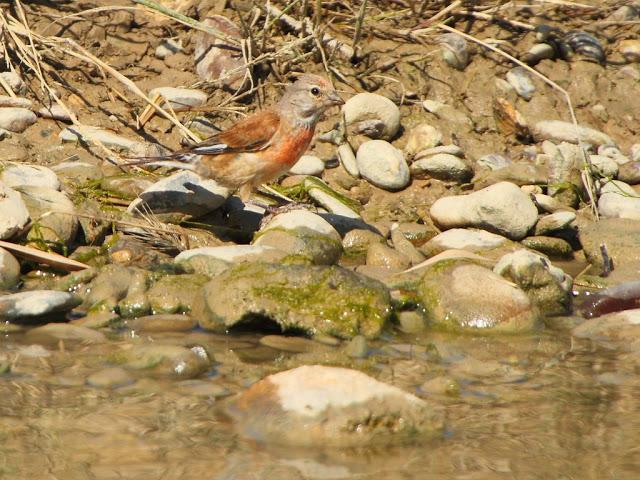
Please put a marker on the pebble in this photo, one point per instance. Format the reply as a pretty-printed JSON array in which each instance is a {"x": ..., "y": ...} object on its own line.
[
  {"x": 15, "y": 82},
  {"x": 449, "y": 114},
  {"x": 318, "y": 405},
  {"x": 162, "y": 323},
  {"x": 16, "y": 176},
  {"x": 559, "y": 131},
  {"x": 465, "y": 239},
  {"x": 372, "y": 114},
  {"x": 357, "y": 347},
  {"x": 404, "y": 246},
  {"x": 55, "y": 112},
  {"x": 619, "y": 200},
  {"x": 17, "y": 102},
  {"x": 494, "y": 161},
  {"x": 442, "y": 166},
  {"x": 548, "y": 286},
  {"x": 382, "y": 164},
  {"x": 550, "y": 246},
  {"x": 14, "y": 215},
  {"x": 550, "y": 224},
  {"x": 448, "y": 149},
  {"x": 455, "y": 51},
  {"x": 9, "y": 270},
  {"x": 53, "y": 214},
  {"x": 629, "y": 173},
  {"x": 520, "y": 79},
  {"x": 308, "y": 165},
  {"x": 357, "y": 241},
  {"x": 216, "y": 58},
  {"x": 180, "y": 97},
  {"x": 547, "y": 203},
  {"x": 502, "y": 208},
  {"x": 114, "y": 377},
  {"x": 422, "y": 137},
  {"x": 90, "y": 135},
  {"x": 630, "y": 50},
  {"x": 300, "y": 232},
  {"x": 331, "y": 203},
  {"x": 52, "y": 333},
  {"x": 183, "y": 191},
  {"x": 348, "y": 160},
  {"x": 538, "y": 52},
  {"x": 604, "y": 166},
  {"x": 287, "y": 344},
  {"x": 168, "y": 47},
  {"x": 16, "y": 119},
  {"x": 381, "y": 255}
]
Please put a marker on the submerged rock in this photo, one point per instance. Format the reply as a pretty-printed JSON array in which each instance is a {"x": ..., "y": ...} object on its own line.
[
  {"x": 164, "y": 360},
  {"x": 328, "y": 406},
  {"x": 52, "y": 333},
  {"x": 461, "y": 295},
  {"x": 315, "y": 299}
]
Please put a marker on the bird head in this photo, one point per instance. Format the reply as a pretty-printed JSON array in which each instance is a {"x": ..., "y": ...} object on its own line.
[{"x": 308, "y": 97}]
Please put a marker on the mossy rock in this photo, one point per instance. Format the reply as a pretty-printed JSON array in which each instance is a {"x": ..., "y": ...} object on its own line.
[
  {"x": 175, "y": 293},
  {"x": 316, "y": 299}
]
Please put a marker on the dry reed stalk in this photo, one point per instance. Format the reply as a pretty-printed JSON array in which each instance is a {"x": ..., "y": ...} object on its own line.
[{"x": 587, "y": 175}]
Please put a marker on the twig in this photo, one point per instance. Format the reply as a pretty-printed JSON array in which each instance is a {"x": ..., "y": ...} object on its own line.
[{"x": 359, "y": 22}]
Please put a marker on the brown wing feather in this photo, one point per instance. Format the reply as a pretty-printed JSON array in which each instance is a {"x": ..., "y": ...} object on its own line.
[{"x": 250, "y": 134}]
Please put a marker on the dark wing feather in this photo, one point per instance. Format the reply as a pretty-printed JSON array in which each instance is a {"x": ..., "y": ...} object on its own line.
[{"x": 250, "y": 134}]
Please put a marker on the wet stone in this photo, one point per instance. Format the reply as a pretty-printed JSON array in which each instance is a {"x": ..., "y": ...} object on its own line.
[
  {"x": 317, "y": 405},
  {"x": 287, "y": 344},
  {"x": 34, "y": 304},
  {"x": 357, "y": 347},
  {"x": 113, "y": 377},
  {"x": 52, "y": 333},
  {"x": 164, "y": 361},
  {"x": 162, "y": 323}
]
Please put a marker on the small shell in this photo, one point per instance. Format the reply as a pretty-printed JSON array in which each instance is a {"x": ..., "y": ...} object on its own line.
[
  {"x": 454, "y": 50},
  {"x": 585, "y": 45},
  {"x": 522, "y": 82}
]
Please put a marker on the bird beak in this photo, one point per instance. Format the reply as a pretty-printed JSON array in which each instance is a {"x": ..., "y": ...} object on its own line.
[{"x": 334, "y": 99}]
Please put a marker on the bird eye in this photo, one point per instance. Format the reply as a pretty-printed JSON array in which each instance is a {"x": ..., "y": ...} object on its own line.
[{"x": 315, "y": 91}]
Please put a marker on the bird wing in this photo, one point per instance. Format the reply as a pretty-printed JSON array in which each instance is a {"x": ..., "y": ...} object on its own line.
[{"x": 250, "y": 134}]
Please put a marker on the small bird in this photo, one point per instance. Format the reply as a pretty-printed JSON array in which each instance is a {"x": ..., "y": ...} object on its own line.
[{"x": 262, "y": 146}]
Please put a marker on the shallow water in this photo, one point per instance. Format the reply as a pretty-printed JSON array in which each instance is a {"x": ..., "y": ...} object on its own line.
[{"x": 550, "y": 407}]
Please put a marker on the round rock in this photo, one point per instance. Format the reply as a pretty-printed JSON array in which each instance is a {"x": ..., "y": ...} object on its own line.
[
  {"x": 16, "y": 119},
  {"x": 501, "y": 208},
  {"x": 373, "y": 114},
  {"x": 442, "y": 167},
  {"x": 16, "y": 176},
  {"x": 329, "y": 406},
  {"x": 13, "y": 212},
  {"x": 383, "y": 165},
  {"x": 9, "y": 270},
  {"x": 308, "y": 165}
]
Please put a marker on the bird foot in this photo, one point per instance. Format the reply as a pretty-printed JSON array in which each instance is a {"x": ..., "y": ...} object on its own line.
[{"x": 271, "y": 211}]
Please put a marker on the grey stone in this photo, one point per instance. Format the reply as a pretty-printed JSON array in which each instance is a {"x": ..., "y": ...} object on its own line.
[
  {"x": 555, "y": 222},
  {"x": 36, "y": 303},
  {"x": 308, "y": 165},
  {"x": 16, "y": 102},
  {"x": 52, "y": 213},
  {"x": 113, "y": 377},
  {"x": 520, "y": 79},
  {"x": 14, "y": 215},
  {"x": 465, "y": 239},
  {"x": 502, "y": 208},
  {"x": 381, "y": 255},
  {"x": 185, "y": 192},
  {"x": 9, "y": 270},
  {"x": 494, "y": 161},
  {"x": 15, "y": 82},
  {"x": 16, "y": 119},
  {"x": 366, "y": 107},
  {"x": 422, "y": 137},
  {"x": 21, "y": 175},
  {"x": 619, "y": 200},
  {"x": 55, "y": 112},
  {"x": 383, "y": 165},
  {"x": 442, "y": 166},
  {"x": 180, "y": 97},
  {"x": 559, "y": 131},
  {"x": 348, "y": 160}
]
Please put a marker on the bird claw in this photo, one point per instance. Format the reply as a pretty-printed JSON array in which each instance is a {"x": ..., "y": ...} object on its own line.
[{"x": 272, "y": 211}]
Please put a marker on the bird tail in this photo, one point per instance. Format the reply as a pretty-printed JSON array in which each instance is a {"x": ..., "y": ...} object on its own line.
[{"x": 180, "y": 161}]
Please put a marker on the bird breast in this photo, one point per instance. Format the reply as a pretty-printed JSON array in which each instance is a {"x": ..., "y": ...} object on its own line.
[{"x": 289, "y": 147}]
